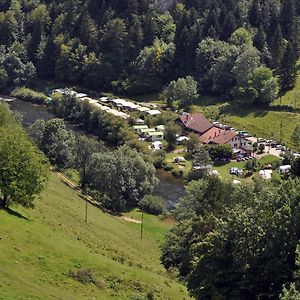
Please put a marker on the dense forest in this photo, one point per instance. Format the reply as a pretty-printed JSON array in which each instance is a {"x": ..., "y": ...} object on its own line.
[{"x": 229, "y": 47}]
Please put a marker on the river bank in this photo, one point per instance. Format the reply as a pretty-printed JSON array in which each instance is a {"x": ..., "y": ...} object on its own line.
[{"x": 169, "y": 188}]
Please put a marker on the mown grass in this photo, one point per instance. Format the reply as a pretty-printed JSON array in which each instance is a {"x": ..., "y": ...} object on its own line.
[
  {"x": 263, "y": 123},
  {"x": 225, "y": 168},
  {"x": 152, "y": 226},
  {"x": 37, "y": 253}
]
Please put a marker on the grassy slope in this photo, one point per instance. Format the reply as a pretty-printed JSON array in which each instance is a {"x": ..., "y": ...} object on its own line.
[
  {"x": 291, "y": 98},
  {"x": 263, "y": 123},
  {"x": 37, "y": 254}
]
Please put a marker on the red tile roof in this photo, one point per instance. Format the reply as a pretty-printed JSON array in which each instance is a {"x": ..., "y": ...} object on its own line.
[
  {"x": 210, "y": 134},
  {"x": 225, "y": 137},
  {"x": 196, "y": 122}
]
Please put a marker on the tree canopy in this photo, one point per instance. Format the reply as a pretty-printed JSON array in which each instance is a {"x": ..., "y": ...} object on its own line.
[
  {"x": 23, "y": 169},
  {"x": 138, "y": 47}
]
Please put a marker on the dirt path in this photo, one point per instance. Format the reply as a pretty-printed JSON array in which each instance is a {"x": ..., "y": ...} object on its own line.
[{"x": 129, "y": 220}]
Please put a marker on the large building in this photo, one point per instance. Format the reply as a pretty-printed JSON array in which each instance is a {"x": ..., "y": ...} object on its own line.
[{"x": 196, "y": 123}]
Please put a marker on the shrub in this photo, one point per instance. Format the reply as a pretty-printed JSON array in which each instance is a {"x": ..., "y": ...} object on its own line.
[
  {"x": 84, "y": 276},
  {"x": 152, "y": 204},
  {"x": 29, "y": 95},
  {"x": 159, "y": 157},
  {"x": 177, "y": 174},
  {"x": 168, "y": 168}
]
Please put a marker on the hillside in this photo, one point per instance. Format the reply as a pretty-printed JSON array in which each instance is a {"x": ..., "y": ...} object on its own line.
[
  {"x": 38, "y": 253},
  {"x": 270, "y": 122}
]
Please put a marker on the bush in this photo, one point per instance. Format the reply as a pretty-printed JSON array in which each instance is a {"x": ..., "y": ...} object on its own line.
[
  {"x": 158, "y": 158},
  {"x": 177, "y": 174},
  {"x": 29, "y": 95},
  {"x": 152, "y": 204},
  {"x": 84, "y": 276},
  {"x": 168, "y": 168}
]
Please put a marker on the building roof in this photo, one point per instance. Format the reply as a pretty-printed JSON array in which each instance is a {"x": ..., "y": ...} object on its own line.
[
  {"x": 136, "y": 127},
  {"x": 210, "y": 134},
  {"x": 153, "y": 112},
  {"x": 155, "y": 133},
  {"x": 119, "y": 101},
  {"x": 224, "y": 137},
  {"x": 196, "y": 122},
  {"x": 143, "y": 109},
  {"x": 131, "y": 105},
  {"x": 146, "y": 130}
]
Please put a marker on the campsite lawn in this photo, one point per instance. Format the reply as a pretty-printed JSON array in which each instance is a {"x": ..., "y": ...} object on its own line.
[
  {"x": 224, "y": 169},
  {"x": 38, "y": 253}
]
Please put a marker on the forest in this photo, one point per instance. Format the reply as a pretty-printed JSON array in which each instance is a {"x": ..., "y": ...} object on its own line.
[{"x": 235, "y": 48}]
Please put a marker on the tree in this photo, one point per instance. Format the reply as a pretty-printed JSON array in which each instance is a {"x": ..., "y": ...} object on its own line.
[
  {"x": 123, "y": 176},
  {"x": 55, "y": 141},
  {"x": 296, "y": 167},
  {"x": 84, "y": 149},
  {"x": 288, "y": 70},
  {"x": 201, "y": 164},
  {"x": 170, "y": 133},
  {"x": 228, "y": 244},
  {"x": 255, "y": 147},
  {"x": 261, "y": 87},
  {"x": 153, "y": 65},
  {"x": 277, "y": 47},
  {"x": 296, "y": 136},
  {"x": 290, "y": 293},
  {"x": 183, "y": 90},
  {"x": 23, "y": 169},
  {"x": 158, "y": 158},
  {"x": 152, "y": 204},
  {"x": 219, "y": 152},
  {"x": 261, "y": 147},
  {"x": 192, "y": 143}
]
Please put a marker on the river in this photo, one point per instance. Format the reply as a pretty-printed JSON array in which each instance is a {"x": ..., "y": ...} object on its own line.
[{"x": 169, "y": 188}]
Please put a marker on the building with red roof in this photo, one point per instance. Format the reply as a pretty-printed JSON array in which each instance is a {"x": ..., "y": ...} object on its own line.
[{"x": 195, "y": 123}]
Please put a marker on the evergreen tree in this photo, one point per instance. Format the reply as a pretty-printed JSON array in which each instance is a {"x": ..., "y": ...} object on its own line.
[
  {"x": 288, "y": 71},
  {"x": 277, "y": 47}
]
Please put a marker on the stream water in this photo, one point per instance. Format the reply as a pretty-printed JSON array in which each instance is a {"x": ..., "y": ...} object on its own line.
[{"x": 169, "y": 188}]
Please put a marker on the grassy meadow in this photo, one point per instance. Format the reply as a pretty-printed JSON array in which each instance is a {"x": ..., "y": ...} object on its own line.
[{"x": 41, "y": 248}]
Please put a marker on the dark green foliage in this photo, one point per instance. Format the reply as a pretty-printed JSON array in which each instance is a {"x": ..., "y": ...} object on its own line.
[
  {"x": 108, "y": 128},
  {"x": 236, "y": 242},
  {"x": 152, "y": 204},
  {"x": 296, "y": 167},
  {"x": 219, "y": 152},
  {"x": 55, "y": 141},
  {"x": 23, "y": 169},
  {"x": 170, "y": 135},
  {"x": 158, "y": 158},
  {"x": 123, "y": 176},
  {"x": 137, "y": 47},
  {"x": 288, "y": 71}
]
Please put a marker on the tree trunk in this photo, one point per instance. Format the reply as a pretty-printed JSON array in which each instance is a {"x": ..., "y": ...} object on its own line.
[{"x": 4, "y": 202}]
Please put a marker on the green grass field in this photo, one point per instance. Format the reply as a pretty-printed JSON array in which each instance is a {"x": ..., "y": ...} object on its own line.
[
  {"x": 224, "y": 169},
  {"x": 263, "y": 123},
  {"x": 37, "y": 253}
]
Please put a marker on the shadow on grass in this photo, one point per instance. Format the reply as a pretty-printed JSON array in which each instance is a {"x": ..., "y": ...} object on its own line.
[
  {"x": 14, "y": 213},
  {"x": 241, "y": 109}
]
